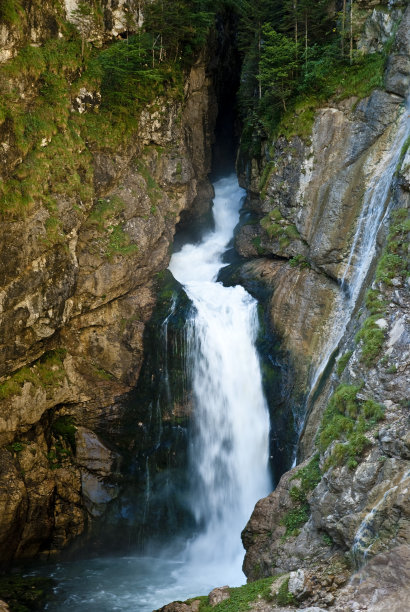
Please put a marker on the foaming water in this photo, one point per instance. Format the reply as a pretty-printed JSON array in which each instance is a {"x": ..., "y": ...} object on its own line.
[{"x": 229, "y": 446}]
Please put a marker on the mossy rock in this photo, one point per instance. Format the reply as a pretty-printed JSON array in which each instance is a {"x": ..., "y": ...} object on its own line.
[{"x": 26, "y": 594}]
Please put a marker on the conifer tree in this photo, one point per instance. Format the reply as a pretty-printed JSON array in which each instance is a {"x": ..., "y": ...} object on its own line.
[{"x": 278, "y": 66}]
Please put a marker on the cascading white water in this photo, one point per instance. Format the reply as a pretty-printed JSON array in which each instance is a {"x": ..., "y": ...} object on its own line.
[
  {"x": 376, "y": 206},
  {"x": 229, "y": 447}
]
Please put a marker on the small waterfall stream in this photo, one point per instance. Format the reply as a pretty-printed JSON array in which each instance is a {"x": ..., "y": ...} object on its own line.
[
  {"x": 229, "y": 447},
  {"x": 376, "y": 207}
]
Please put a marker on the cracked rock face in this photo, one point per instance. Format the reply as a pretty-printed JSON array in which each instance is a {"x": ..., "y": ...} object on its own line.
[
  {"x": 357, "y": 513},
  {"x": 74, "y": 311}
]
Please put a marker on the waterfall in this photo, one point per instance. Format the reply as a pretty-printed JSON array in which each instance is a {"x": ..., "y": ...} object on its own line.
[
  {"x": 376, "y": 207},
  {"x": 229, "y": 446}
]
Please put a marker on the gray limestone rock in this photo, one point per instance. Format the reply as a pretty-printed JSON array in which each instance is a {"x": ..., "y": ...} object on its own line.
[{"x": 219, "y": 594}]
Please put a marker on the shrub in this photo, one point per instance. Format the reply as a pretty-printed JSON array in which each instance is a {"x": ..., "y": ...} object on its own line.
[
  {"x": 372, "y": 337},
  {"x": 345, "y": 420},
  {"x": 342, "y": 362},
  {"x": 284, "y": 597}
]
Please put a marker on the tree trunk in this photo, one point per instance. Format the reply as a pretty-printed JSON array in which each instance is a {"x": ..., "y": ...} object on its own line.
[
  {"x": 295, "y": 8},
  {"x": 343, "y": 27},
  {"x": 351, "y": 31},
  {"x": 259, "y": 60},
  {"x": 306, "y": 41}
]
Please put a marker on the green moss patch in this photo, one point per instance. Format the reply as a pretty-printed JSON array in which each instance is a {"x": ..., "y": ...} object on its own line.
[
  {"x": 372, "y": 337},
  {"x": 279, "y": 229},
  {"x": 299, "y": 261},
  {"x": 64, "y": 427},
  {"x": 240, "y": 597},
  {"x": 284, "y": 597},
  {"x": 394, "y": 261},
  {"x": 26, "y": 594},
  {"x": 46, "y": 372},
  {"x": 342, "y": 362},
  {"x": 345, "y": 420},
  {"x": 309, "y": 477}
]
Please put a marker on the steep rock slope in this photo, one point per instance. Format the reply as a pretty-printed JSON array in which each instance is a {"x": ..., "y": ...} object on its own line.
[
  {"x": 78, "y": 270},
  {"x": 348, "y": 501}
]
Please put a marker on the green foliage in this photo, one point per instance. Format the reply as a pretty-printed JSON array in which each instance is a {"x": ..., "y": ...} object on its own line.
[
  {"x": 241, "y": 597},
  {"x": 268, "y": 170},
  {"x": 153, "y": 189},
  {"x": 342, "y": 362},
  {"x": 128, "y": 80},
  {"x": 309, "y": 477},
  {"x": 372, "y": 411},
  {"x": 327, "y": 539},
  {"x": 374, "y": 302},
  {"x": 372, "y": 337},
  {"x": 120, "y": 242},
  {"x": 114, "y": 239},
  {"x": 10, "y": 12},
  {"x": 181, "y": 27},
  {"x": 57, "y": 455},
  {"x": 295, "y": 519},
  {"x": 299, "y": 261},
  {"x": 389, "y": 266},
  {"x": 100, "y": 372},
  {"x": 346, "y": 418},
  {"x": 277, "y": 68},
  {"x": 278, "y": 229},
  {"x": 104, "y": 211},
  {"x": 8, "y": 388},
  {"x": 16, "y": 447},
  {"x": 64, "y": 427},
  {"x": 52, "y": 151},
  {"x": 403, "y": 152},
  {"x": 293, "y": 62},
  {"x": 284, "y": 597},
  {"x": 258, "y": 245},
  {"x": 48, "y": 371},
  {"x": 394, "y": 261},
  {"x": 54, "y": 143}
]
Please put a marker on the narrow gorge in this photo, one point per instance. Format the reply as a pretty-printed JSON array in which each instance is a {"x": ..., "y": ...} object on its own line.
[{"x": 176, "y": 347}]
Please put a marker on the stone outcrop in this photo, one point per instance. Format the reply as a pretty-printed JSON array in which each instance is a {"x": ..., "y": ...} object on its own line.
[
  {"x": 305, "y": 198},
  {"x": 36, "y": 21}
]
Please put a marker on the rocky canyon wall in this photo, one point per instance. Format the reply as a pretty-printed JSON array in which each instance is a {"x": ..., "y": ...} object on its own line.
[
  {"x": 348, "y": 499},
  {"x": 326, "y": 239},
  {"x": 81, "y": 245}
]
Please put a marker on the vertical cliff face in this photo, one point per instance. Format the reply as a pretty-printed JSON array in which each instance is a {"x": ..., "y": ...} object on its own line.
[
  {"x": 79, "y": 262},
  {"x": 336, "y": 208}
]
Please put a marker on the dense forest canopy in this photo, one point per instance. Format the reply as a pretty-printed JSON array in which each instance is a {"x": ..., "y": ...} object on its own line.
[{"x": 294, "y": 53}]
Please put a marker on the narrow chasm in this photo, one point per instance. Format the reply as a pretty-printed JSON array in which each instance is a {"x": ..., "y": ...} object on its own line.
[{"x": 204, "y": 433}]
